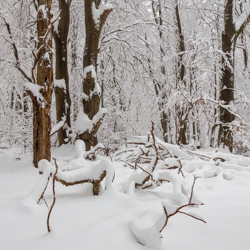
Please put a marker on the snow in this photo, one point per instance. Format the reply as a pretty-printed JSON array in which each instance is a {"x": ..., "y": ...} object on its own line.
[
  {"x": 42, "y": 8},
  {"x": 240, "y": 20},
  {"x": 83, "y": 123},
  {"x": 98, "y": 12},
  {"x": 87, "y": 69},
  {"x": 26, "y": 72},
  {"x": 58, "y": 125},
  {"x": 60, "y": 83},
  {"x": 35, "y": 89},
  {"x": 117, "y": 219}
]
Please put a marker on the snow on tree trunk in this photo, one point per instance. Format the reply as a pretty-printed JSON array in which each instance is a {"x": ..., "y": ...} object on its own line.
[
  {"x": 182, "y": 118},
  {"x": 96, "y": 13},
  {"x": 42, "y": 99},
  {"x": 227, "y": 80},
  {"x": 233, "y": 27},
  {"x": 63, "y": 101}
]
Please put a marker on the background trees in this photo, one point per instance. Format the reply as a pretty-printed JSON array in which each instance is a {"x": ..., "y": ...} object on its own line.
[{"x": 175, "y": 62}]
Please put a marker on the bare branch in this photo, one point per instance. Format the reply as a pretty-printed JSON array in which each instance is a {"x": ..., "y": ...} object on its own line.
[
  {"x": 17, "y": 64},
  {"x": 54, "y": 196}
]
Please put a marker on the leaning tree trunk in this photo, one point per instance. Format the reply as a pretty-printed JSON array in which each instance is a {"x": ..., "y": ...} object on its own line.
[
  {"x": 43, "y": 82},
  {"x": 90, "y": 115},
  {"x": 227, "y": 80},
  {"x": 63, "y": 102}
]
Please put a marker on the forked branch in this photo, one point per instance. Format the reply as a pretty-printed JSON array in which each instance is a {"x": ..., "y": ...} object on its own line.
[{"x": 179, "y": 208}]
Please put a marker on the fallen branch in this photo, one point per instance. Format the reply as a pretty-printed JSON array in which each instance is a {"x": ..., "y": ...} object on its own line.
[
  {"x": 54, "y": 196},
  {"x": 179, "y": 208}
]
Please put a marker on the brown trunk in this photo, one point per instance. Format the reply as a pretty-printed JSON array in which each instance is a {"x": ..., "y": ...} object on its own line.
[
  {"x": 41, "y": 106},
  {"x": 227, "y": 80},
  {"x": 181, "y": 46},
  {"x": 180, "y": 78},
  {"x": 63, "y": 102},
  {"x": 91, "y": 102}
]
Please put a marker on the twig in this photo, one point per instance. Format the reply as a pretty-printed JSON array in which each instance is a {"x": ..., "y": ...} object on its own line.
[
  {"x": 192, "y": 190},
  {"x": 180, "y": 168},
  {"x": 192, "y": 216},
  {"x": 155, "y": 147},
  {"x": 54, "y": 196},
  {"x": 45, "y": 202},
  {"x": 15, "y": 50},
  {"x": 179, "y": 208}
]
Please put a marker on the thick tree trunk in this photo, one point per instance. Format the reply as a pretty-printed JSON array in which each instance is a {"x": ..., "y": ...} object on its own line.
[
  {"x": 227, "y": 81},
  {"x": 63, "y": 101},
  {"x": 42, "y": 104},
  {"x": 91, "y": 89}
]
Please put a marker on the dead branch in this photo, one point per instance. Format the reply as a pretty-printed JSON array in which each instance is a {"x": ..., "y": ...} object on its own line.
[
  {"x": 179, "y": 208},
  {"x": 192, "y": 216},
  {"x": 42, "y": 195},
  {"x": 54, "y": 196},
  {"x": 66, "y": 183},
  {"x": 192, "y": 190},
  {"x": 180, "y": 168},
  {"x": 92, "y": 154},
  {"x": 155, "y": 147},
  {"x": 15, "y": 50}
]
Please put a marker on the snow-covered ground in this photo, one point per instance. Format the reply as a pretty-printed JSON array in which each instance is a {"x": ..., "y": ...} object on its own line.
[{"x": 80, "y": 220}]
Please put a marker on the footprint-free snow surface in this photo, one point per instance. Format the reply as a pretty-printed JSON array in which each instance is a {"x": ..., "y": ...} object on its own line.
[{"x": 80, "y": 220}]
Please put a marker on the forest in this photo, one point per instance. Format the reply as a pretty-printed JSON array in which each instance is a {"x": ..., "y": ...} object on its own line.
[{"x": 129, "y": 112}]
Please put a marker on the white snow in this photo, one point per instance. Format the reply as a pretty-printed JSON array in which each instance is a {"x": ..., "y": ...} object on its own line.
[
  {"x": 60, "y": 83},
  {"x": 87, "y": 69},
  {"x": 119, "y": 220},
  {"x": 35, "y": 89},
  {"x": 240, "y": 20},
  {"x": 58, "y": 125},
  {"x": 98, "y": 12},
  {"x": 42, "y": 8},
  {"x": 83, "y": 123},
  {"x": 26, "y": 72}
]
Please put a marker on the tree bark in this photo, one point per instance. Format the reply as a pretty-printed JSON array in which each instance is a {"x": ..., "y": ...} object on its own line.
[
  {"x": 41, "y": 107},
  {"x": 91, "y": 102},
  {"x": 63, "y": 101},
  {"x": 181, "y": 138},
  {"x": 227, "y": 80}
]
